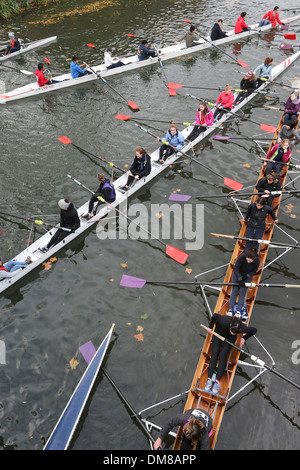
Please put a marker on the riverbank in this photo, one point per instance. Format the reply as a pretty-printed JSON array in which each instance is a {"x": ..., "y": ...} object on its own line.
[{"x": 10, "y": 7}]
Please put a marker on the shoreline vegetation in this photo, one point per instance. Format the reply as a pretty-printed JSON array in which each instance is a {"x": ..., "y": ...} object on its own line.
[{"x": 10, "y": 7}]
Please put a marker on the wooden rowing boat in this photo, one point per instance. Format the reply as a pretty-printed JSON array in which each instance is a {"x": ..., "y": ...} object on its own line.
[
  {"x": 197, "y": 398},
  {"x": 33, "y": 250},
  {"x": 25, "y": 48},
  {"x": 131, "y": 63},
  {"x": 63, "y": 432}
]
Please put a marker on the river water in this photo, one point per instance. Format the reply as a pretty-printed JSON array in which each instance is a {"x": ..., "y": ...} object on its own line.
[{"x": 157, "y": 338}]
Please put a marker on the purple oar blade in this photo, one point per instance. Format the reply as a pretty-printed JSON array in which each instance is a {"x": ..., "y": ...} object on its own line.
[
  {"x": 129, "y": 281},
  {"x": 283, "y": 27},
  {"x": 285, "y": 46},
  {"x": 88, "y": 351},
  {"x": 179, "y": 197},
  {"x": 221, "y": 137}
]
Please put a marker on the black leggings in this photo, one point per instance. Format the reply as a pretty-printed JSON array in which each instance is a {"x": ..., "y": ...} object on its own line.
[
  {"x": 219, "y": 350},
  {"x": 220, "y": 112},
  {"x": 168, "y": 151},
  {"x": 195, "y": 132},
  {"x": 58, "y": 237}
]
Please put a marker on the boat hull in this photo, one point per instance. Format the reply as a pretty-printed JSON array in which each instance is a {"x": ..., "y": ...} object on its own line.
[{"x": 31, "y": 46}]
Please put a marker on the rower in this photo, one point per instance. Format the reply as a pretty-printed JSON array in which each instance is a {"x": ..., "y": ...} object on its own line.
[
  {"x": 280, "y": 153},
  {"x": 288, "y": 131},
  {"x": 240, "y": 25},
  {"x": 268, "y": 184},
  {"x": 204, "y": 119},
  {"x": 9, "y": 269},
  {"x": 272, "y": 17},
  {"x": 264, "y": 71},
  {"x": 224, "y": 102},
  {"x": 292, "y": 107},
  {"x": 111, "y": 62},
  {"x": 76, "y": 70},
  {"x": 140, "y": 167},
  {"x": 41, "y": 78},
  {"x": 190, "y": 37},
  {"x": 14, "y": 44},
  {"x": 197, "y": 428},
  {"x": 256, "y": 221},
  {"x": 173, "y": 138},
  {"x": 144, "y": 52},
  {"x": 105, "y": 191},
  {"x": 248, "y": 85},
  {"x": 217, "y": 32}
]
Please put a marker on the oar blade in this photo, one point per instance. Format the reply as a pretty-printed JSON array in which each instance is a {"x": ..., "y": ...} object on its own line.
[
  {"x": 233, "y": 184},
  {"x": 26, "y": 72},
  {"x": 179, "y": 197},
  {"x": 176, "y": 254},
  {"x": 132, "y": 105},
  {"x": 290, "y": 36},
  {"x": 283, "y": 27},
  {"x": 91, "y": 45},
  {"x": 64, "y": 139},
  {"x": 285, "y": 46},
  {"x": 174, "y": 85},
  {"x": 267, "y": 128},
  {"x": 187, "y": 21},
  {"x": 221, "y": 137},
  {"x": 243, "y": 64},
  {"x": 130, "y": 281},
  {"x": 122, "y": 117},
  {"x": 131, "y": 35},
  {"x": 47, "y": 60},
  {"x": 172, "y": 91}
]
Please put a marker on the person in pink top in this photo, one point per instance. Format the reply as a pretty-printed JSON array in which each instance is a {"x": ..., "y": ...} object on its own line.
[
  {"x": 224, "y": 102},
  {"x": 272, "y": 17},
  {"x": 204, "y": 119},
  {"x": 240, "y": 25},
  {"x": 279, "y": 153}
]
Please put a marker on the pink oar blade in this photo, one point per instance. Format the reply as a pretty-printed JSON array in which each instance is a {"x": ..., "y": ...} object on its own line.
[
  {"x": 267, "y": 128},
  {"x": 88, "y": 351},
  {"x": 221, "y": 137},
  {"x": 283, "y": 27},
  {"x": 135, "y": 282},
  {"x": 176, "y": 254},
  {"x": 64, "y": 139},
  {"x": 174, "y": 85},
  {"x": 285, "y": 46},
  {"x": 122, "y": 117},
  {"x": 233, "y": 184},
  {"x": 179, "y": 197},
  {"x": 242, "y": 63}
]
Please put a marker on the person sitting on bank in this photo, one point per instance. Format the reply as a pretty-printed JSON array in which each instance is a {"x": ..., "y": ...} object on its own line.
[
  {"x": 240, "y": 25},
  {"x": 14, "y": 44},
  {"x": 111, "y": 62},
  {"x": 9, "y": 269},
  {"x": 248, "y": 85},
  {"x": 76, "y": 70},
  {"x": 105, "y": 191},
  {"x": 68, "y": 220},
  {"x": 217, "y": 32},
  {"x": 190, "y": 37},
  {"x": 173, "y": 138},
  {"x": 197, "y": 426},
  {"x": 140, "y": 167},
  {"x": 264, "y": 70},
  {"x": 39, "y": 73},
  {"x": 272, "y": 17},
  {"x": 144, "y": 52},
  {"x": 229, "y": 328},
  {"x": 267, "y": 185},
  {"x": 204, "y": 119}
]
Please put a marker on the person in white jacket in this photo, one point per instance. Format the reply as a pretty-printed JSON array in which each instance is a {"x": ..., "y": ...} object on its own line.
[{"x": 111, "y": 62}]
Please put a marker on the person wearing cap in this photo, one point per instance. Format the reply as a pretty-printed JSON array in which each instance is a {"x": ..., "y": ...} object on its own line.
[
  {"x": 272, "y": 17},
  {"x": 144, "y": 52},
  {"x": 248, "y": 85},
  {"x": 105, "y": 190},
  {"x": 264, "y": 71},
  {"x": 217, "y": 32},
  {"x": 111, "y": 62},
  {"x": 14, "y": 44},
  {"x": 229, "y": 328},
  {"x": 76, "y": 70},
  {"x": 267, "y": 185},
  {"x": 68, "y": 220},
  {"x": 240, "y": 25},
  {"x": 190, "y": 37}
]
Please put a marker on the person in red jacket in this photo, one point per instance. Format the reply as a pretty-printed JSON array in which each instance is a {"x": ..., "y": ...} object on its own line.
[
  {"x": 224, "y": 102},
  {"x": 272, "y": 17},
  {"x": 41, "y": 78},
  {"x": 240, "y": 25}
]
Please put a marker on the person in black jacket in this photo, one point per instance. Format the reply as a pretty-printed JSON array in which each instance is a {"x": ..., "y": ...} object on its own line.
[
  {"x": 140, "y": 167},
  {"x": 228, "y": 327},
  {"x": 245, "y": 267},
  {"x": 268, "y": 184},
  {"x": 256, "y": 216},
  {"x": 217, "y": 32},
  {"x": 197, "y": 425},
  {"x": 248, "y": 85},
  {"x": 68, "y": 220},
  {"x": 105, "y": 190}
]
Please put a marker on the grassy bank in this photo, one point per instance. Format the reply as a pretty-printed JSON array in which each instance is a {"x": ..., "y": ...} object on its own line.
[{"x": 9, "y": 7}]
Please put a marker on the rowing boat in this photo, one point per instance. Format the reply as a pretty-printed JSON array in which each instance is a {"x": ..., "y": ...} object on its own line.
[
  {"x": 30, "y": 46},
  {"x": 131, "y": 63},
  {"x": 33, "y": 250},
  {"x": 215, "y": 405},
  {"x": 63, "y": 432}
]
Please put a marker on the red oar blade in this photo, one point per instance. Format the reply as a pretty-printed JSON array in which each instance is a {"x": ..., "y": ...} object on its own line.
[
  {"x": 91, "y": 45},
  {"x": 129, "y": 281},
  {"x": 242, "y": 63},
  {"x": 176, "y": 254},
  {"x": 132, "y": 105},
  {"x": 131, "y": 35},
  {"x": 172, "y": 91},
  {"x": 64, "y": 139},
  {"x": 290, "y": 36},
  {"x": 187, "y": 21},
  {"x": 47, "y": 60},
  {"x": 267, "y": 128},
  {"x": 122, "y": 117},
  {"x": 233, "y": 184},
  {"x": 174, "y": 85}
]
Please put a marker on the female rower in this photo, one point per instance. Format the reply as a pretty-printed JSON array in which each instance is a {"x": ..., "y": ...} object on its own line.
[
  {"x": 292, "y": 108},
  {"x": 279, "y": 154},
  {"x": 105, "y": 190},
  {"x": 140, "y": 167},
  {"x": 174, "y": 141},
  {"x": 248, "y": 85},
  {"x": 268, "y": 184},
  {"x": 288, "y": 131},
  {"x": 256, "y": 221},
  {"x": 240, "y": 25},
  {"x": 263, "y": 71},
  {"x": 204, "y": 119},
  {"x": 224, "y": 102}
]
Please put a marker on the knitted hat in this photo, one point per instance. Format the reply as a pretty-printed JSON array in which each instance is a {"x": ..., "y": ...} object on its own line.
[
  {"x": 64, "y": 203},
  {"x": 249, "y": 74},
  {"x": 11, "y": 35}
]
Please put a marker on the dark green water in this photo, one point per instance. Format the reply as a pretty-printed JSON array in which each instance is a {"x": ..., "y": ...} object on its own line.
[{"x": 44, "y": 322}]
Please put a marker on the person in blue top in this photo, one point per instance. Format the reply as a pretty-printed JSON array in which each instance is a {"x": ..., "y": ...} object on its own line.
[
  {"x": 172, "y": 142},
  {"x": 263, "y": 71},
  {"x": 76, "y": 70},
  {"x": 144, "y": 52}
]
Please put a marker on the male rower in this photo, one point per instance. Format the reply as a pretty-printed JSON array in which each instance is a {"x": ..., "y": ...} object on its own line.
[
  {"x": 76, "y": 70},
  {"x": 144, "y": 52},
  {"x": 217, "y": 32},
  {"x": 191, "y": 37}
]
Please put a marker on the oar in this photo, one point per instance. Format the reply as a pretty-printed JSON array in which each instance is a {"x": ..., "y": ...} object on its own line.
[
  {"x": 227, "y": 181},
  {"x": 296, "y": 167},
  {"x": 131, "y": 104},
  {"x": 37, "y": 222},
  {"x": 25, "y": 72},
  {"x": 175, "y": 253},
  {"x": 270, "y": 80},
  {"x": 227, "y": 137},
  {"x": 124, "y": 117},
  {"x": 285, "y": 46},
  {"x": 134, "y": 414},
  {"x": 273, "y": 107},
  {"x": 234, "y": 194},
  {"x": 66, "y": 140},
  {"x": 138, "y": 283},
  {"x": 254, "y": 358},
  {"x": 264, "y": 242}
]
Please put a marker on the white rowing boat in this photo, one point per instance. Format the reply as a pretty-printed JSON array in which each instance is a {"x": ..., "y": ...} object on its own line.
[
  {"x": 131, "y": 63},
  {"x": 63, "y": 432},
  {"x": 33, "y": 250},
  {"x": 30, "y": 46}
]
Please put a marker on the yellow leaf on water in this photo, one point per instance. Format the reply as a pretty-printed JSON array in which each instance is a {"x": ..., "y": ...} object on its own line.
[
  {"x": 246, "y": 165},
  {"x": 188, "y": 270},
  {"x": 139, "y": 337},
  {"x": 53, "y": 259},
  {"x": 112, "y": 280},
  {"x": 73, "y": 363},
  {"x": 293, "y": 216},
  {"x": 139, "y": 328},
  {"x": 124, "y": 265},
  {"x": 159, "y": 215},
  {"x": 47, "y": 265}
]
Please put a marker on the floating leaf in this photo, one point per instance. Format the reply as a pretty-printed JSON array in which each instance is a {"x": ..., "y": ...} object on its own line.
[
  {"x": 124, "y": 265},
  {"x": 188, "y": 270},
  {"x": 139, "y": 337},
  {"x": 293, "y": 216},
  {"x": 53, "y": 260},
  {"x": 3, "y": 230},
  {"x": 73, "y": 363},
  {"x": 246, "y": 165},
  {"x": 139, "y": 328},
  {"x": 112, "y": 280},
  {"x": 144, "y": 317},
  {"x": 47, "y": 265}
]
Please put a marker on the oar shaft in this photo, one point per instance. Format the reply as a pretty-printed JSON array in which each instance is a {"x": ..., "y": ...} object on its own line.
[
  {"x": 266, "y": 242},
  {"x": 99, "y": 158},
  {"x": 271, "y": 193}
]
